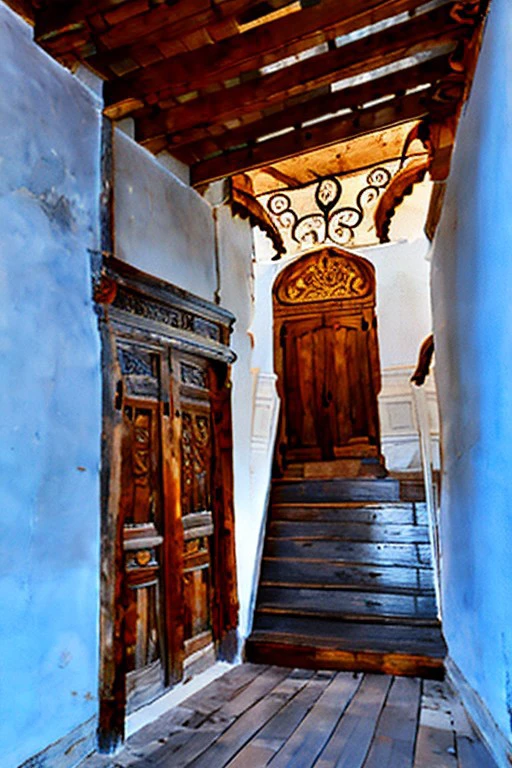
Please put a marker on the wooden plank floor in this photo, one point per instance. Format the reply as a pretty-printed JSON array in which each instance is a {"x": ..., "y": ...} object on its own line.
[{"x": 258, "y": 715}]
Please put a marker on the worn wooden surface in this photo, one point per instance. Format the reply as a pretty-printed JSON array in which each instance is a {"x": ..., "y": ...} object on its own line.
[
  {"x": 196, "y": 71},
  {"x": 346, "y": 580},
  {"x": 256, "y": 716},
  {"x": 169, "y": 602}
]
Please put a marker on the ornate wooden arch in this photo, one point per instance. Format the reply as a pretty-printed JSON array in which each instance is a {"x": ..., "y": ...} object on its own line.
[
  {"x": 329, "y": 274},
  {"x": 327, "y": 361}
]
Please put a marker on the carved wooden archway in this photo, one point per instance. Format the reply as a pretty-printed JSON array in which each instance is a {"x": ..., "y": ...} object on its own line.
[{"x": 327, "y": 361}]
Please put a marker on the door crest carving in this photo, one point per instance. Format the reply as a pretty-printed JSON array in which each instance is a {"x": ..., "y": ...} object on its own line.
[{"x": 323, "y": 277}]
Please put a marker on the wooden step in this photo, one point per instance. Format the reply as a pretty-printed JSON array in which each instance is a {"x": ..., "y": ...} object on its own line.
[
  {"x": 348, "y": 606},
  {"x": 346, "y": 579},
  {"x": 390, "y": 638},
  {"x": 327, "y": 644},
  {"x": 270, "y": 649},
  {"x": 395, "y": 514},
  {"x": 314, "y": 574},
  {"x": 345, "y": 531},
  {"x": 335, "y": 490},
  {"x": 410, "y": 555}
]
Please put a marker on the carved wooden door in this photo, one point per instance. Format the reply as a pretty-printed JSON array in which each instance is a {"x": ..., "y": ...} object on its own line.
[
  {"x": 168, "y": 582},
  {"x": 327, "y": 358}
]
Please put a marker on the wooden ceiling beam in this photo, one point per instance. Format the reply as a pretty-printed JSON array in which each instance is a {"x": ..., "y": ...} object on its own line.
[
  {"x": 427, "y": 72},
  {"x": 135, "y": 18},
  {"x": 266, "y": 44},
  {"x": 383, "y": 48},
  {"x": 411, "y": 107}
]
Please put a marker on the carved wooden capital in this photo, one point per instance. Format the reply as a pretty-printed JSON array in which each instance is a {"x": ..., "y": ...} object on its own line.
[
  {"x": 246, "y": 205},
  {"x": 466, "y": 11},
  {"x": 105, "y": 291},
  {"x": 401, "y": 186}
]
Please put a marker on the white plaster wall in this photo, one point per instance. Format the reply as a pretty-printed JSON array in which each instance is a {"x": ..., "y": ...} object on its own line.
[
  {"x": 472, "y": 301},
  {"x": 163, "y": 226},
  {"x": 236, "y": 285},
  {"x": 403, "y": 299},
  {"x": 49, "y": 398}
]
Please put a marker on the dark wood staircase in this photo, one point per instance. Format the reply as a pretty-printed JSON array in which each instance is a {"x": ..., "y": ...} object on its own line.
[{"x": 347, "y": 580}]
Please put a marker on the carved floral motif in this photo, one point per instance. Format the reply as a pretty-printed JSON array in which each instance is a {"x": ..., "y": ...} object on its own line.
[
  {"x": 175, "y": 318},
  {"x": 331, "y": 221},
  {"x": 195, "y": 442},
  {"x": 323, "y": 277},
  {"x": 193, "y": 375}
]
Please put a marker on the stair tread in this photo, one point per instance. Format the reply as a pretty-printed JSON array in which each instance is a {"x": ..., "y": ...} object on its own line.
[
  {"x": 348, "y": 617},
  {"x": 370, "y": 532},
  {"x": 356, "y": 513},
  {"x": 368, "y": 636},
  {"x": 377, "y": 589},
  {"x": 354, "y": 603},
  {"x": 366, "y": 553},
  {"x": 383, "y": 580}
]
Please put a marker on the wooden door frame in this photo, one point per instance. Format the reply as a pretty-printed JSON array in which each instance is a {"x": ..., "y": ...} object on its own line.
[
  {"x": 354, "y": 292},
  {"x": 142, "y": 310}
]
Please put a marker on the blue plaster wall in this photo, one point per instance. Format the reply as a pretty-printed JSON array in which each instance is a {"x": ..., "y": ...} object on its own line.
[
  {"x": 49, "y": 398},
  {"x": 472, "y": 304}
]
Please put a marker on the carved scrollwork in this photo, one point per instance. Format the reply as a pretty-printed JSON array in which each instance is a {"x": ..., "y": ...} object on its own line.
[
  {"x": 325, "y": 276},
  {"x": 134, "y": 363},
  {"x": 196, "y": 456},
  {"x": 337, "y": 224},
  {"x": 466, "y": 11},
  {"x": 193, "y": 375},
  {"x": 175, "y": 318}
]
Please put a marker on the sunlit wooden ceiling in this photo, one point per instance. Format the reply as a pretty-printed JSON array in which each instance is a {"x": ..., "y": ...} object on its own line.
[{"x": 227, "y": 86}]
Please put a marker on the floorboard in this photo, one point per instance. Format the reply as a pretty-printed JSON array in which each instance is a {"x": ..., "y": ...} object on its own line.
[{"x": 257, "y": 716}]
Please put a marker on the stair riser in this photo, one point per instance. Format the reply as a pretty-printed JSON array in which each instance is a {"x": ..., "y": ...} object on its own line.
[
  {"x": 311, "y": 491},
  {"x": 353, "y": 636},
  {"x": 318, "y": 658}
]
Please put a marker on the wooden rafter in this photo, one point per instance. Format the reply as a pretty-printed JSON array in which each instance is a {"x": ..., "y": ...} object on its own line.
[
  {"x": 297, "y": 114},
  {"x": 382, "y": 49},
  {"x": 193, "y": 73},
  {"x": 410, "y": 107},
  {"x": 119, "y": 24},
  {"x": 259, "y": 47}
]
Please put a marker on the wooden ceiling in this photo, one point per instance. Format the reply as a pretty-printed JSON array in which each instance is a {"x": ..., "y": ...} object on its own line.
[{"x": 227, "y": 86}]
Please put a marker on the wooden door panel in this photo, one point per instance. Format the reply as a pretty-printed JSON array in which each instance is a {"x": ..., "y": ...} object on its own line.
[
  {"x": 196, "y": 458},
  {"x": 196, "y": 501},
  {"x": 142, "y": 544}
]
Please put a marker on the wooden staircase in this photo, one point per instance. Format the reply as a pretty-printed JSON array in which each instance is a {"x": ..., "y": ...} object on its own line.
[{"x": 347, "y": 581}]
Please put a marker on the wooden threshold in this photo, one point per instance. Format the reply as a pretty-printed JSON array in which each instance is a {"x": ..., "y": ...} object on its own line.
[{"x": 318, "y": 657}]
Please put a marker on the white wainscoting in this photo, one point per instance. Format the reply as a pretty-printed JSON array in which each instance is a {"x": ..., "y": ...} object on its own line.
[{"x": 399, "y": 430}]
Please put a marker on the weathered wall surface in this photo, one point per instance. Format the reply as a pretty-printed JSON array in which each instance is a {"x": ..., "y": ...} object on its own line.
[
  {"x": 162, "y": 226},
  {"x": 50, "y": 398},
  {"x": 472, "y": 302}
]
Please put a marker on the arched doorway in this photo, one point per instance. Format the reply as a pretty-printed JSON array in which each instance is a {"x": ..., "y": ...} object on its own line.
[{"x": 327, "y": 361}]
